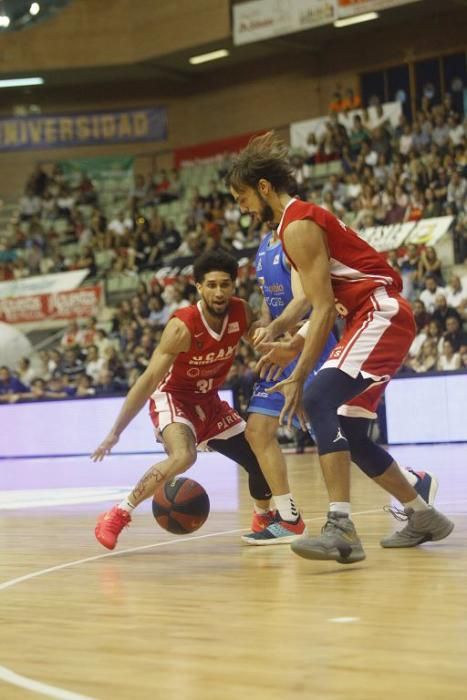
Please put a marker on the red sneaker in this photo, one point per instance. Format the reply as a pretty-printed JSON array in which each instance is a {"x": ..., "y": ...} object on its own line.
[
  {"x": 262, "y": 520},
  {"x": 279, "y": 532},
  {"x": 109, "y": 526}
]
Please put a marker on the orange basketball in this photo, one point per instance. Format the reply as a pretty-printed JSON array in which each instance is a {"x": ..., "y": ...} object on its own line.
[{"x": 181, "y": 505}]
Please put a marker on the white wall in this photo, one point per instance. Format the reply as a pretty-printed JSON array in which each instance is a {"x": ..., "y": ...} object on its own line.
[{"x": 427, "y": 409}]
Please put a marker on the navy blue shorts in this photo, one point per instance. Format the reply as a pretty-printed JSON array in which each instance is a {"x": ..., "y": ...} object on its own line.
[{"x": 272, "y": 404}]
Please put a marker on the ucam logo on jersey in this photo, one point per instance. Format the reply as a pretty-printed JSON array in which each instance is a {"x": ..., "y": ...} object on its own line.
[
  {"x": 233, "y": 327},
  {"x": 277, "y": 259}
]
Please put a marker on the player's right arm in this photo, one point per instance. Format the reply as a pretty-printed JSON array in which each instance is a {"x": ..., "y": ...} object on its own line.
[{"x": 175, "y": 339}]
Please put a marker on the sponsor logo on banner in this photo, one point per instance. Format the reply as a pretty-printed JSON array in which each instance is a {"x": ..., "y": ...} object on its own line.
[
  {"x": 424, "y": 232},
  {"x": 77, "y": 303},
  {"x": 263, "y": 19},
  {"x": 348, "y": 8},
  {"x": 43, "y": 284}
]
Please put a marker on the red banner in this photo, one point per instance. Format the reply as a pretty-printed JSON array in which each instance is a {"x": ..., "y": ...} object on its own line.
[
  {"x": 205, "y": 151},
  {"x": 76, "y": 303}
]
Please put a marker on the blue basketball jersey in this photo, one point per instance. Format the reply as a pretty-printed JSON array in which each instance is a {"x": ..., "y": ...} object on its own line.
[{"x": 274, "y": 277}]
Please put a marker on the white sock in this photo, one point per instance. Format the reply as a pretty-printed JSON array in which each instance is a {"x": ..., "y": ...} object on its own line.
[
  {"x": 285, "y": 504},
  {"x": 340, "y": 507},
  {"x": 417, "y": 504},
  {"x": 410, "y": 476},
  {"x": 126, "y": 505},
  {"x": 259, "y": 511}
]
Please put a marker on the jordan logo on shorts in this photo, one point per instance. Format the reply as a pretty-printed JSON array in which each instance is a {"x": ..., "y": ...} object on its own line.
[{"x": 339, "y": 435}]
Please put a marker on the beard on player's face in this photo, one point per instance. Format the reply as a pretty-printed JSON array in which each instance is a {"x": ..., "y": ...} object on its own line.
[
  {"x": 220, "y": 310},
  {"x": 266, "y": 213}
]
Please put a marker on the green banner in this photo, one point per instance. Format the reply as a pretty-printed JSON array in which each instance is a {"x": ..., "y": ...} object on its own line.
[{"x": 117, "y": 170}]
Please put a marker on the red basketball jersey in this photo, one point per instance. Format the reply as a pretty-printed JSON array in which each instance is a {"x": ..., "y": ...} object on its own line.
[
  {"x": 356, "y": 268},
  {"x": 205, "y": 366}
]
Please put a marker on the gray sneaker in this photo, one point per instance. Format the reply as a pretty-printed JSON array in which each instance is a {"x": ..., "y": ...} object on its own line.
[
  {"x": 338, "y": 542},
  {"x": 422, "y": 526}
]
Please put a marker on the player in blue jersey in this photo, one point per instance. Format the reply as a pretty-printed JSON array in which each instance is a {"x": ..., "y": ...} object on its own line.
[{"x": 280, "y": 302}]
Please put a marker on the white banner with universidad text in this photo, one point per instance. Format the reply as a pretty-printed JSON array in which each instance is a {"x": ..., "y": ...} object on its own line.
[{"x": 43, "y": 284}]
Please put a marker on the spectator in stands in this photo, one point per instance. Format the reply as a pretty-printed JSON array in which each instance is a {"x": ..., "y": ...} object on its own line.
[
  {"x": 108, "y": 385},
  {"x": 9, "y": 384},
  {"x": 432, "y": 205},
  {"x": 454, "y": 333},
  {"x": 422, "y": 318},
  {"x": 448, "y": 360},
  {"x": 358, "y": 135},
  {"x": 121, "y": 224},
  {"x": 29, "y": 205},
  {"x": 86, "y": 336},
  {"x": 65, "y": 202},
  {"x": 442, "y": 311},
  {"x": 84, "y": 387},
  {"x": 72, "y": 364},
  {"x": 456, "y": 294},
  {"x": 58, "y": 388},
  {"x": 94, "y": 364},
  {"x": 430, "y": 265},
  {"x": 25, "y": 372},
  {"x": 70, "y": 337},
  {"x": 440, "y": 133},
  {"x": 138, "y": 194},
  {"x": 102, "y": 341},
  {"x": 457, "y": 190},
  {"x": 158, "y": 314},
  {"x": 427, "y": 357},
  {"x": 431, "y": 291},
  {"x": 414, "y": 211}
]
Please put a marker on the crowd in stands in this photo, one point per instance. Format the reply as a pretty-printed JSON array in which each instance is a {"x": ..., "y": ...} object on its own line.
[{"x": 387, "y": 175}]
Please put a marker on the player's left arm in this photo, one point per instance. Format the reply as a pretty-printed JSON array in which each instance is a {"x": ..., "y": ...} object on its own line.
[{"x": 305, "y": 242}]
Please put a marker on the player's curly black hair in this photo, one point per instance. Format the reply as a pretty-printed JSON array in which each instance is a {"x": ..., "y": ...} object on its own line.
[
  {"x": 265, "y": 157},
  {"x": 215, "y": 261}
]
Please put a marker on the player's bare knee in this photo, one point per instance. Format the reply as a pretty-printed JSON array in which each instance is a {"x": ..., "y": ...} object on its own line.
[
  {"x": 258, "y": 435},
  {"x": 182, "y": 460}
]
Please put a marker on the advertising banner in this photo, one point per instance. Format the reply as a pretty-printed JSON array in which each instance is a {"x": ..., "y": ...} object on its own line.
[
  {"x": 348, "y": 8},
  {"x": 43, "y": 284},
  {"x": 300, "y": 131},
  {"x": 82, "y": 129},
  {"x": 422, "y": 233},
  {"x": 265, "y": 19},
  {"x": 77, "y": 303}
]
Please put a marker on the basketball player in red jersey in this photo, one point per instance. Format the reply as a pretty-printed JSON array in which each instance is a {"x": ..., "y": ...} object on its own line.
[
  {"x": 336, "y": 268},
  {"x": 192, "y": 361}
]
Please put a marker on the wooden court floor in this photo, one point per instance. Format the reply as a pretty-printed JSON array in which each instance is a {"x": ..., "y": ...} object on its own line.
[{"x": 205, "y": 617}]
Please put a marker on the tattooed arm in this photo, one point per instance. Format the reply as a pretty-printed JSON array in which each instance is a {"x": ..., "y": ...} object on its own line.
[{"x": 175, "y": 339}]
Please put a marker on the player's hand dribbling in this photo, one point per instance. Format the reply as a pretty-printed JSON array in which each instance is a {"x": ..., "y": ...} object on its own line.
[
  {"x": 292, "y": 390},
  {"x": 105, "y": 447}
]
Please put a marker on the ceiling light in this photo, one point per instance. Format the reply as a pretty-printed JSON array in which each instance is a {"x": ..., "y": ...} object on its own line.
[
  {"x": 367, "y": 17},
  {"x": 35, "y": 8},
  {"x": 20, "y": 82},
  {"x": 205, "y": 57},
  {"x": 4, "y": 21}
]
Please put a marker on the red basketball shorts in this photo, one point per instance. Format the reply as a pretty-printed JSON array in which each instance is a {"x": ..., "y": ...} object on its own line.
[
  {"x": 207, "y": 417},
  {"x": 376, "y": 341}
]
